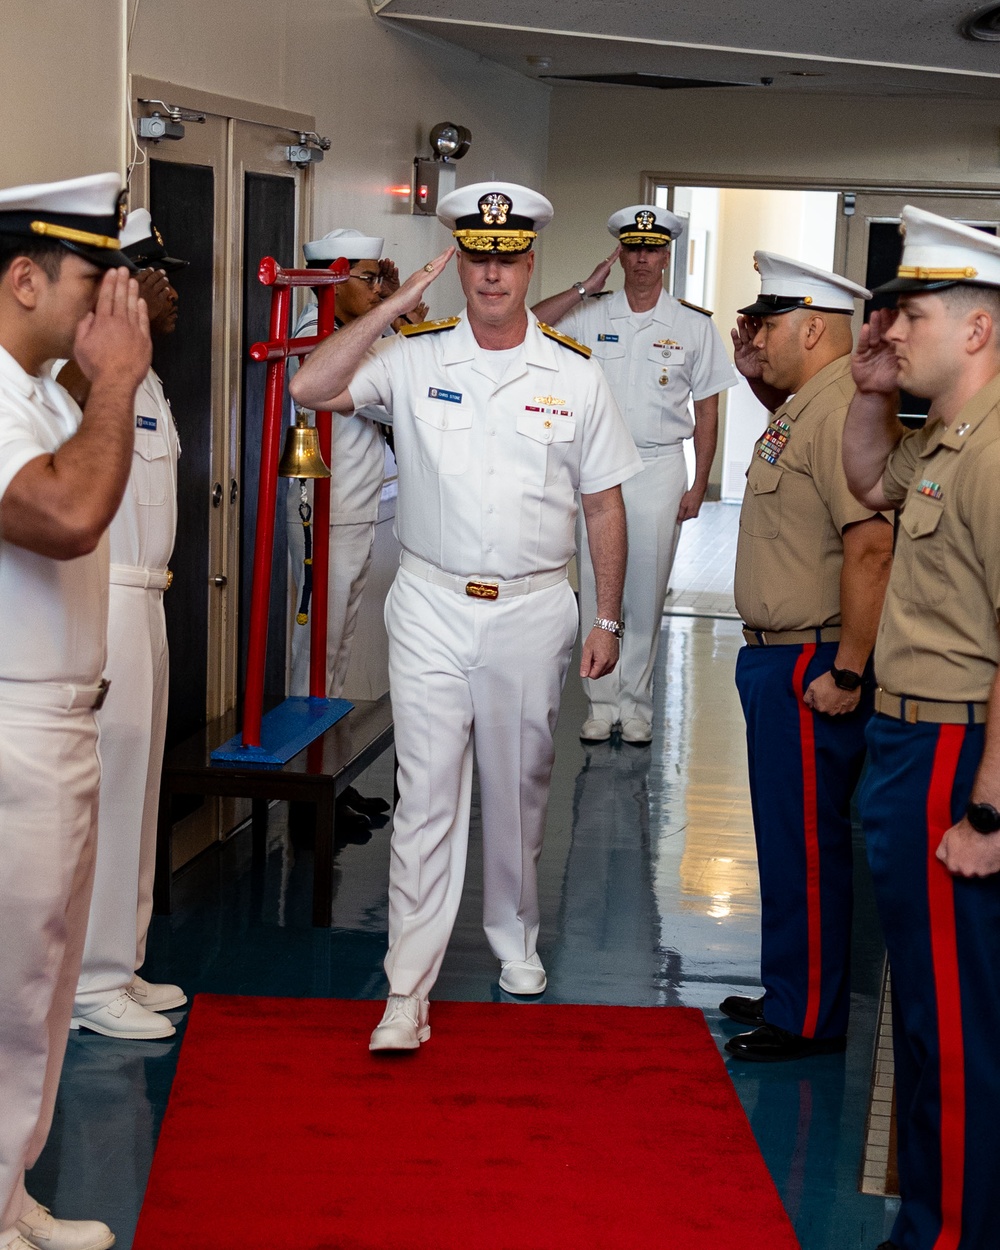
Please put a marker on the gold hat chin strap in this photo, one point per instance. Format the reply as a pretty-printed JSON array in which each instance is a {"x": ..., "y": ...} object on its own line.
[
  {"x": 936, "y": 275},
  {"x": 53, "y": 231},
  {"x": 495, "y": 241}
]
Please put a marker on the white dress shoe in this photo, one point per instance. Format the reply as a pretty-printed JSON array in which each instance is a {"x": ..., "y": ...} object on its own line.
[
  {"x": 595, "y": 730},
  {"x": 637, "y": 731},
  {"x": 156, "y": 997},
  {"x": 123, "y": 1017},
  {"x": 42, "y": 1231},
  {"x": 523, "y": 976},
  {"x": 404, "y": 1025}
]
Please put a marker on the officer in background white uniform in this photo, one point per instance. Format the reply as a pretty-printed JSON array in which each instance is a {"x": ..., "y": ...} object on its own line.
[
  {"x": 111, "y": 998},
  {"x": 62, "y": 475},
  {"x": 497, "y": 424},
  {"x": 658, "y": 353}
]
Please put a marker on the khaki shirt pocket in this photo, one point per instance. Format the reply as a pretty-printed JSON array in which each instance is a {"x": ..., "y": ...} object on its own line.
[
  {"x": 151, "y": 482},
  {"x": 761, "y": 513},
  {"x": 921, "y": 577},
  {"x": 443, "y": 433},
  {"x": 538, "y": 450}
]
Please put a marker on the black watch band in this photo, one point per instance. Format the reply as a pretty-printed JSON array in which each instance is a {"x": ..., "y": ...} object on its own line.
[
  {"x": 845, "y": 678},
  {"x": 983, "y": 817}
]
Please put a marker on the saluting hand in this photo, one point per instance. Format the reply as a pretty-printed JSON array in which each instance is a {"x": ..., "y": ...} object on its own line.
[
  {"x": 599, "y": 278},
  {"x": 746, "y": 357},
  {"x": 874, "y": 366},
  {"x": 390, "y": 277},
  {"x": 113, "y": 341},
  {"x": 408, "y": 297}
]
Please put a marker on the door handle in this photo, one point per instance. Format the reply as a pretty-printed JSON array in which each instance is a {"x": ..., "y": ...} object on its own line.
[
  {"x": 220, "y": 579},
  {"x": 234, "y": 490},
  {"x": 217, "y": 495}
]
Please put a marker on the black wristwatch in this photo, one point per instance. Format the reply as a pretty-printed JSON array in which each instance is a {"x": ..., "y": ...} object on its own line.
[
  {"x": 983, "y": 817},
  {"x": 845, "y": 678}
]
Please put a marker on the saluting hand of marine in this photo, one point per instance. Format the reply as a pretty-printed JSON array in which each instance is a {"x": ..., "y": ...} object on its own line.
[{"x": 113, "y": 340}]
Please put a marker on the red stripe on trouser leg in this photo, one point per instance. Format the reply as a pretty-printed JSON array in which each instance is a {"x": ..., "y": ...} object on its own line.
[
  {"x": 810, "y": 828},
  {"x": 944, "y": 954}
]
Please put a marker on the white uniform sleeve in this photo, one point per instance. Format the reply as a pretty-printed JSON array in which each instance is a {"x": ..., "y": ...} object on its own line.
[
  {"x": 712, "y": 371},
  {"x": 372, "y": 381},
  {"x": 608, "y": 455},
  {"x": 18, "y": 445}
]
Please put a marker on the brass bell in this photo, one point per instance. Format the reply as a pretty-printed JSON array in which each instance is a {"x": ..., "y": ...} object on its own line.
[{"x": 301, "y": 457}]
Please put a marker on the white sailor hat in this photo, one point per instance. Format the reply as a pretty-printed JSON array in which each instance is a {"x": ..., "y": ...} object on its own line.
[
  {"x": 939, "y": 253},
  {"x": 83, "y": 214},
  {"x": 495, "y": 216},
  {"x": 644, "y": 225},
  {"x": 351, "y": 244},
  {"x": 786, "y": 284},
  {"x": 142, "y": 243}
]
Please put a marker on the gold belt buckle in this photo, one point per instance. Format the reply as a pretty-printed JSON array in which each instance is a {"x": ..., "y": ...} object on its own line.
[
  {"x": 102, "y": 694},
  {"x": 482, "y": 590},
  {"x": 170, "y": 579}
]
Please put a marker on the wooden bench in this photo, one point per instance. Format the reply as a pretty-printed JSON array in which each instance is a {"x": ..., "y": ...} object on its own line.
[{"x": 317, "y": 775}]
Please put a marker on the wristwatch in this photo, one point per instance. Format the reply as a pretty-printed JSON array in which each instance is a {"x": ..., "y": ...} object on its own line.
[
  {"x": 613, "y": 627},
  {"x": 845, "y": 678},
  {"x": 983, "y": 817},
  {"x": 580, "y": 289}
]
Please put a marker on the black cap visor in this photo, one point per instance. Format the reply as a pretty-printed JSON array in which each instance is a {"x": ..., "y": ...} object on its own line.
[
  {"x": 772, "y": 305},
  {"x": 104, "y": 258}
]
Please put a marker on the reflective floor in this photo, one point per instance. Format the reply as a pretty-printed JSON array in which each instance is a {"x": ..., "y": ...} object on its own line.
[{"x": 649, "y": 897}]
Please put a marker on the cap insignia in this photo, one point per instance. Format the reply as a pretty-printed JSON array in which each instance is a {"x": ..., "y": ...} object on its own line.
[
  {"x": 495, "y": 208},
  {"x": 122, "y": 209},
  {"x": 644, "y": 220},
  {"x": 157, "y": 236}
]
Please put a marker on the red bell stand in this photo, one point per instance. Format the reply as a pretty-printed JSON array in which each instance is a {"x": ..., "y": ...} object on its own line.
[{"x": 270, "y": 741}]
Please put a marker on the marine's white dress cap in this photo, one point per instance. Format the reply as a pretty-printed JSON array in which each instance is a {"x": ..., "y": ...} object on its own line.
[
  {"x": 786, "y": 284},
  {"x": 83, "y": 214},
  {"x": 351, "y": 244},
  {"x": 939, "y": 253},
  {"x": 645, "y": 225},
  {"x": 494, "y": 217}
]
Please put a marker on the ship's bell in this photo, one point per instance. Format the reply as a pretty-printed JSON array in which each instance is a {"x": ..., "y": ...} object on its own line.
[{"x": 301, "y": 457}]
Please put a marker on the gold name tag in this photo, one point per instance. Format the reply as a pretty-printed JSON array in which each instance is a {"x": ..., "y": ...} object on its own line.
[{"x": 482, "y": 590}]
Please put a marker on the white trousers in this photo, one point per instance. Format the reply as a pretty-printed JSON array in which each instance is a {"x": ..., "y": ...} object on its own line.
[
  {"x": 652, "y": 498},
  {"x": 49, "y": 779},
  {"x": 132, "y": 725},
  {"x": 350, "y": 562},
  {"x": 469, "y": 675}
]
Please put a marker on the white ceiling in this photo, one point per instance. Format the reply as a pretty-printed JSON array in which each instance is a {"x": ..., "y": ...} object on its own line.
[{"x": 894, "y": 47}]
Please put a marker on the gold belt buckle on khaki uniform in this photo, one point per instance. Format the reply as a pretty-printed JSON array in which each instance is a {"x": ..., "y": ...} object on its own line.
[{"x": 482, "y": 590}]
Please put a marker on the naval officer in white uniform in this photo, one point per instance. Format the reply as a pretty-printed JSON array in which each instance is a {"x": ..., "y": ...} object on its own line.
[
  {"x": 62, "y": 475},
  {"x": 498, "y": 423},
  {"x": 658, "y": 353},
  {"x": 111, "y": 998}
]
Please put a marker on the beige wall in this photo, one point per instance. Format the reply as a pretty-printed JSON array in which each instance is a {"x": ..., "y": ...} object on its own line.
[
  {"x": 58, "y": 117},
  {"x": 603, "y": 139},
  {"x": 373, "y": 88}
]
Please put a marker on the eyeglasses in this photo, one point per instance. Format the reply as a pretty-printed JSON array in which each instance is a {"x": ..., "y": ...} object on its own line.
[{"x": 372, "y": 279}]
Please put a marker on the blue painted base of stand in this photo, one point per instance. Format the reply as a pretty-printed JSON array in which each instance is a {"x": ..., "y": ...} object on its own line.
[{"x": 284, "y": 732}]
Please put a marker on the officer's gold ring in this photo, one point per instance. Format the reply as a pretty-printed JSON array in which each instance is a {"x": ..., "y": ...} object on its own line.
[{"x": 429, "y": 267}]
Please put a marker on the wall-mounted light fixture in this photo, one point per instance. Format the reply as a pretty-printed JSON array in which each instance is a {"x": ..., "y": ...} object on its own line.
[{"x": 434, "y": 178}]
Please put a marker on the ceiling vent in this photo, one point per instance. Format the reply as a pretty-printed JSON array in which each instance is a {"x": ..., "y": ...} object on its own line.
[
  {"x": 661, "y": 81},
  {"x": 984, "y": 25}
]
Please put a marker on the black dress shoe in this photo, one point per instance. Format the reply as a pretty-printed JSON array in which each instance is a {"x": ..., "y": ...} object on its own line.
[
  {"x": 769, "y": 1044},
  {"x": 366, "y": 806},
  {"x": 742, "y": 1009}
]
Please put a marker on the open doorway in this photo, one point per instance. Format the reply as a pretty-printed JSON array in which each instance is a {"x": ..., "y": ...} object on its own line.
[{"x": 713, "y": 267}]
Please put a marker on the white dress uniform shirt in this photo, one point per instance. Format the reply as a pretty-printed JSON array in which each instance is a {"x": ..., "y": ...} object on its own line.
[
  {"x": 677, "y": 355},
  {"x": 487, "y": 472},
  {"x": 48, "y": 608},
  {"x": 53, "y": 624},
  {"x": 133, "y": 720},
  {"x": 491, "y": 448}
]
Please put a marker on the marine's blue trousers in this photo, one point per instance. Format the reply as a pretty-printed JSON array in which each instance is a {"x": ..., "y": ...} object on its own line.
[
  {"x": 943, "y": 938},
  {"x": 804, "y": 768}
]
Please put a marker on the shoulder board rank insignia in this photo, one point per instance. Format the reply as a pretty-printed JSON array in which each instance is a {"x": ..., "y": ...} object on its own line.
[
  {"x": 705, "y": 312},
  {"x": 565, "y": 340},
  {"x": 430, "y": 327}
]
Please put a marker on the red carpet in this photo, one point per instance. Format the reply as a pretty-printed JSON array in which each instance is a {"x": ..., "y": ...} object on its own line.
[{"x": 514, "y": 1128}]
